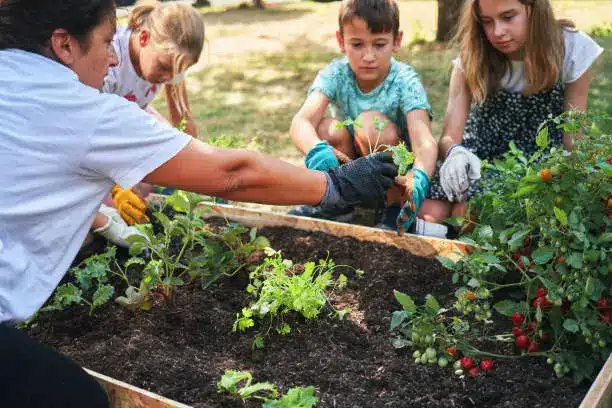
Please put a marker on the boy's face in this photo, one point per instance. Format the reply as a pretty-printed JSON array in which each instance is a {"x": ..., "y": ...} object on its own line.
[
  {"x": 505, "y": 23},
  {"x": 369, "y": 54}
]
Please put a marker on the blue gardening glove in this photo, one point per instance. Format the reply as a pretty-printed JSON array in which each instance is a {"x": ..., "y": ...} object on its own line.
[
  {"x": 321, "y": 157},
  {"x": 417, "y": 186}
]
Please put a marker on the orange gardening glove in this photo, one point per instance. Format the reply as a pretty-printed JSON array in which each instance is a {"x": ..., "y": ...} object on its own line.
[{"x": 131, "y": 207}]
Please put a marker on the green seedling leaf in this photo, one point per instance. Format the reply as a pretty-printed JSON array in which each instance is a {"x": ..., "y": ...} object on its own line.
[
  {"x": 405, "y": 301},
  {"x": 571, "y": 325},
  {"x": 561, "y": 216},
  {"x": 508, "y": 307},
  {"x": 102, "y": 295},
  {"x": 542, "y": 138},
  {"x": 298, "y": 397},
  {"x": 542, "y": 256},
  {"x": 432, "y": 304}
]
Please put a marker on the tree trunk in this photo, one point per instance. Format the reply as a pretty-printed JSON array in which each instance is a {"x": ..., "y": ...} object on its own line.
[
  {"x": 448, "y": 15},
  {"x": 259, "y": 4},
  {"x": 202, "y": 3}
]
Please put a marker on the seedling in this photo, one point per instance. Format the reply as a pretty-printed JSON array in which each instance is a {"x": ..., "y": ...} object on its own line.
[
  {"x": 240, "y": 383},
  {"x": 279, "y": 286},
  {"x": 90, "y": 286}
]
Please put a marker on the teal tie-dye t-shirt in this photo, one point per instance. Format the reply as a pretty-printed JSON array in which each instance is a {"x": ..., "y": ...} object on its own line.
[{"x": 400, "y": 93}]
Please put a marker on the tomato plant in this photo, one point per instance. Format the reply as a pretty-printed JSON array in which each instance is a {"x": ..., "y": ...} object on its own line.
[{"x": 542, "y": 255}]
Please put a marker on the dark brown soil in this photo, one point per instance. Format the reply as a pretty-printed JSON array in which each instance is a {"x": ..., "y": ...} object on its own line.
[{"x": 180, "y": 351}]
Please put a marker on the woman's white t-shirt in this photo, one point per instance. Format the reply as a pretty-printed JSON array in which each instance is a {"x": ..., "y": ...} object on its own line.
[
  {"x": 581, "y": 51},
  {"x": 123, "y": 80},
  {"x": 63, "y": 145}
]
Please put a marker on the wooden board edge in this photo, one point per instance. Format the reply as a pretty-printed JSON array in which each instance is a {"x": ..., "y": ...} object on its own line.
[
  {"x": 415, "y": 244},
  {"x": 600, "y": 392},
  {"x": 124, "y": 395}
]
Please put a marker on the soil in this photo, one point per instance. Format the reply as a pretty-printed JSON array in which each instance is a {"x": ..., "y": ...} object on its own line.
[{"x": 181, "y": 350}]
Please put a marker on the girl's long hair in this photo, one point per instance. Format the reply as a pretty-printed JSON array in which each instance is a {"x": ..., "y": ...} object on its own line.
[
  {"x": 176, "y": 28},
  {"x": 484, "y": 66}
]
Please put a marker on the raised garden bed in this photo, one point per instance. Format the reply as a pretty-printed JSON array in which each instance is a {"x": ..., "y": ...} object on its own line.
[{"x": 181, "y": 350}]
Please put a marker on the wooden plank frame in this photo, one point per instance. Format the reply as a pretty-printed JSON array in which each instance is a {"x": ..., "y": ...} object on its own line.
[
  {"x": 123, "y": 395},
  {"x": 600, "y": 393},
  {"x": 415, "y": 244}
]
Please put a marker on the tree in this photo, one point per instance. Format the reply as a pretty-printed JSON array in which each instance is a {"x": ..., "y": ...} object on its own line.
[{"x": 448, "y": 15}]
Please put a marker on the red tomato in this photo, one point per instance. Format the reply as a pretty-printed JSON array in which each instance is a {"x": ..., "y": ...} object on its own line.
[
  {"x": 474, "y": 371},
  {"x": 518, "y": 318},
  {"x": 541, "y": 292},
  {"x": 522, "y": 342},
  {"x": 453, "y": 352},
  {"x": 517, "y": 331},
  {"x": 467, "y": 363},
  {"x": 486, "y": 365},
  {"x": 533, "y": 347}
]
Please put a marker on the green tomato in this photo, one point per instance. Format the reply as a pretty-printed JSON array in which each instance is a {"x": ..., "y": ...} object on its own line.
[
  {"x": 442, "y": 362},
  {"x": 417, "y": 361},
  {"x": 424, "y": 358},
  {"x": 429, "y": 339},
  {"x": 549, "y": 360},
  {"x": 457, "y": 365},
  {"x": 416, "y": 354},
  {"x": 602, "y": 343},
  {"x": 431, "y": 352},
  {"x": 459, "y": 372},
  {"x": 432, "y": 360},
  {"x": 415, "y": 337}
]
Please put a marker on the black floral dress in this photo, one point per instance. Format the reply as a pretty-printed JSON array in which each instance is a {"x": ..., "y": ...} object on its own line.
[{"x": 504, "y": 117}]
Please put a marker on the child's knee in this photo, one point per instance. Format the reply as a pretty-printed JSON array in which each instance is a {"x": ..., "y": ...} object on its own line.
[
  {"x": 375, "y": 131},
  {"x": 329, "y": 130},
  {"x": 435, "y": 210}
]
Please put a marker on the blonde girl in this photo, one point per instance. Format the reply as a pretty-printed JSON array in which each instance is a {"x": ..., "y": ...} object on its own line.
[
  {"x": 517, "y": 66},
  {"x": 159, "y": 43}
]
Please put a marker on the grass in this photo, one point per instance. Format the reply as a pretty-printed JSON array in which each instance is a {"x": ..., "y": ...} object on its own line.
[{"x": 260, "y": 64}]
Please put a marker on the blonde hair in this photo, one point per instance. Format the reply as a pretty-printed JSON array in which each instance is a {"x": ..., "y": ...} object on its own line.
[
  {"x": 176, "y": 28},
  {"x": 484, "y": 66}
]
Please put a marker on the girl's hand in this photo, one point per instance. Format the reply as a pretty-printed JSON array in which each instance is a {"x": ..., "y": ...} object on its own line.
[
  {"x": 415, "y": 185},
  {"x": 460, "y": 170}
]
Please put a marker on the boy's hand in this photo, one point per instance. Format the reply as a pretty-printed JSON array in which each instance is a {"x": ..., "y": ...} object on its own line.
[
  {"x": 416, "y": 184},
  {"x": 460, "y": 170},
  {"x": 131, "y": 207},
  {"x": 363, "y": 181},
  {"x": 321, "y": 157}
]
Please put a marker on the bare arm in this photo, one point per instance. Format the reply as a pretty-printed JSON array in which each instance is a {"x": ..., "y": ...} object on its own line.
[
  {"x": 304, "y": 124},
  {"x": 175, "y": 114},
  {"x": 576, "y": 96},
  {"x": 422, "y": 141},
  {"x": 239, "y": 175},
  {"x": 457, "y": 110}
]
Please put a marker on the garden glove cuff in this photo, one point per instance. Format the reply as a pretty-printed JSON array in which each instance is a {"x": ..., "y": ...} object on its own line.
[
  {"x": 363, "y": 181},
  {"x": 460, "y": 170},
  {"x": 417, "y": 187},
  {"x": 321, "y": 157},
  {"x": 116, "y": 229},
  {"x": 131, "y": 207}
]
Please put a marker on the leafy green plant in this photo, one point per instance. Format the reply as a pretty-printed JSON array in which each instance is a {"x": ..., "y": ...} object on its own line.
[
  {"x": 402, "y": 157},
  {"x": 542, "y": 251},
  {"x": 90, "y": 286},
  {"x": 240, "y": 383},
  {"x": 185, "y": 247},
  {"x": 279, "y": 286}
]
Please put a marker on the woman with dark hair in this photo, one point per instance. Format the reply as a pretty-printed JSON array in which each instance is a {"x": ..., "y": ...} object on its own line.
[{"x": 63, "y": 145}]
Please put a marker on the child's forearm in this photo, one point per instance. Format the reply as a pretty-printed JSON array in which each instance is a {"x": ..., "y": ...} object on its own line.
[{"x": 303, "y": 134}]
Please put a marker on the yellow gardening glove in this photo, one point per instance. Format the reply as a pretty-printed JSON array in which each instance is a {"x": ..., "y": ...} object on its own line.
[{"x": 131, "y": 207}]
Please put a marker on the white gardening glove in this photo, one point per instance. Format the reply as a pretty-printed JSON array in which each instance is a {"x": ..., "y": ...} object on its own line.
[
  {"x": 460, "y": 170},
  {"x": 116, "y": 229}
]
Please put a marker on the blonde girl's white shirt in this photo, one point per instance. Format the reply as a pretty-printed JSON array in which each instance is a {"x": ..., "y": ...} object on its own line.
[
  {"x": 581, "y": 51},
  {"x": 123, "y": 80},
  {"x": 63, "y": 145}
]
